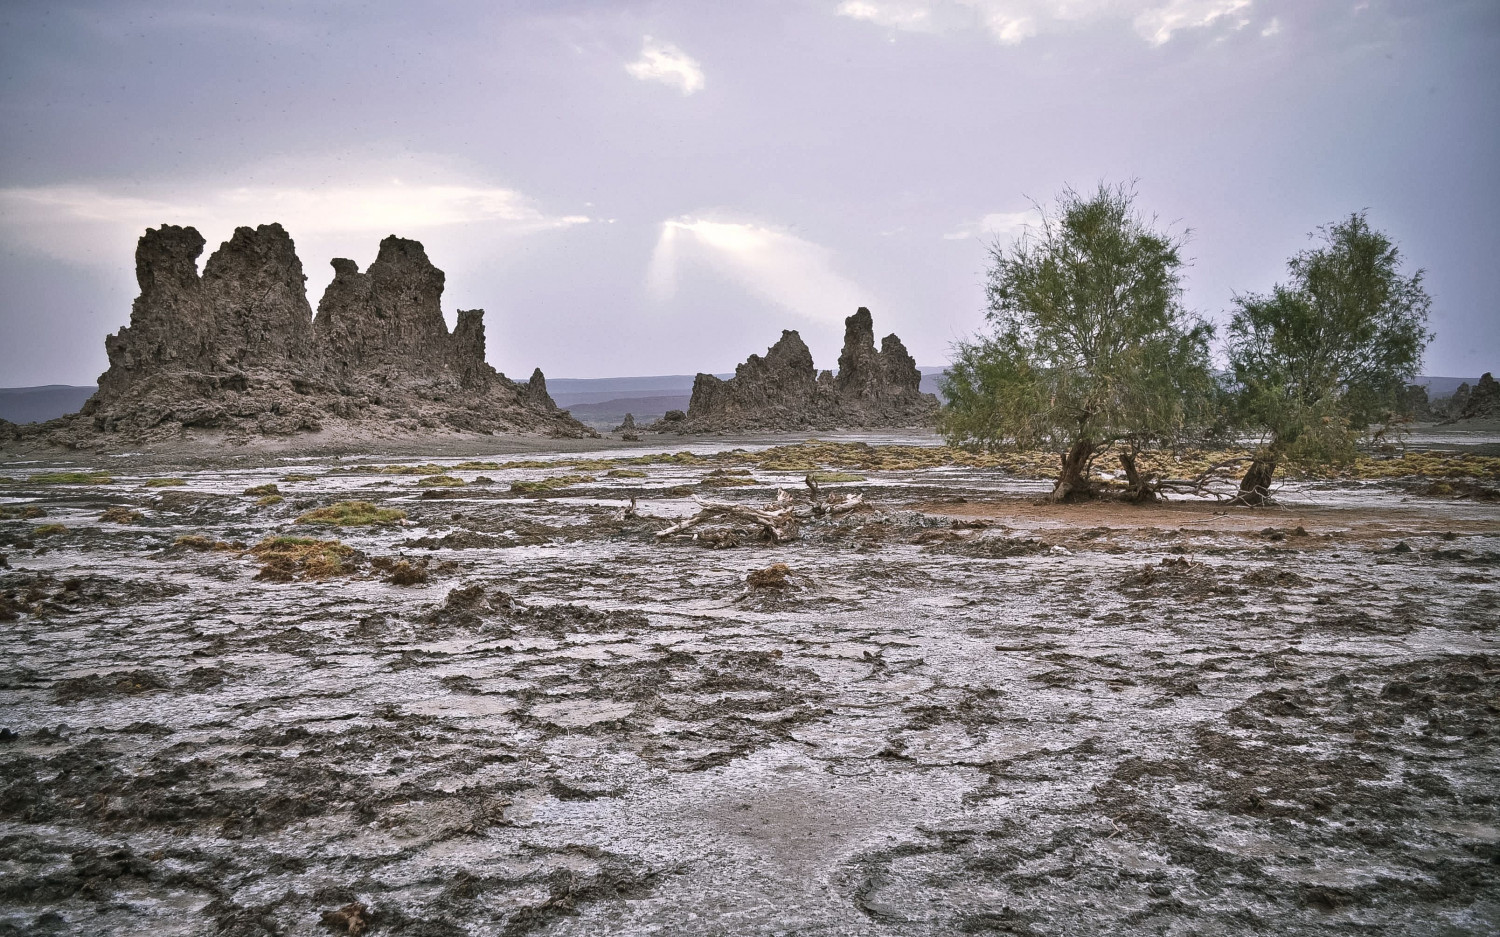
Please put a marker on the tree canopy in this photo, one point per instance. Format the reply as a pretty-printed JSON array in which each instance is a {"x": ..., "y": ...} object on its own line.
[
  {"x": 1089, "y": 343},
  {"x": 1325, "y": 355}
]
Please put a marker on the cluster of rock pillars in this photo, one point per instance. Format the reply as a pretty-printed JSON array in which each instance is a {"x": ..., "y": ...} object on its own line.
[{"x": 238, "y": 350}]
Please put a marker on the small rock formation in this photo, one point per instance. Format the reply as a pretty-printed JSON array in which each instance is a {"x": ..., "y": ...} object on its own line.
[
  {"x": 627, "y": 429},
  {"x": 784, "y": 391},
  {"x": 1482, "y": 402},
  {"x": 238, "y": 351}
]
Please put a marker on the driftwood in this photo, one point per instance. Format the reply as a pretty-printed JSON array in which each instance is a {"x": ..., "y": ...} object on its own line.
[
  {"x": 1196, "y": 486},
  {"x": 778, "y": 521}
]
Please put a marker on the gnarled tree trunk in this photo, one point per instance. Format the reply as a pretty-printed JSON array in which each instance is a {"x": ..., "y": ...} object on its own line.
[
  {"x": 1255, "y": 487},
  {"x": 1072, "y": 483},
  {"x": 1139, "y": 490}
]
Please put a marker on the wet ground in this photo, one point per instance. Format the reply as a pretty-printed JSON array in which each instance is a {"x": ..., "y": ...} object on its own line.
[{"x": 955, "y": 713}]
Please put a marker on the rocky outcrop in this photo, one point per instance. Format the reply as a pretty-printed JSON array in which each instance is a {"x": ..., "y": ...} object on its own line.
[
  {"x": 239, "y": 352},
  {"x": 784, "y": 391},
  {"x": 1483, "y": 401}
]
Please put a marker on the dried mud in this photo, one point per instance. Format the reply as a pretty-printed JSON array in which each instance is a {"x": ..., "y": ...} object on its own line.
[{"x": 956, "y": 712}]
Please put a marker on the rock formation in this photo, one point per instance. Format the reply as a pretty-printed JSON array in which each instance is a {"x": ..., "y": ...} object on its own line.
[
  {"x": 1483, "y": 401},
  {"x": 238, "y": 351},
  {"x": 784, "y": 391}
]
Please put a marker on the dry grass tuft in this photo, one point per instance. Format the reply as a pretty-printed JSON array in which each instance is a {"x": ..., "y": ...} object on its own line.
[
  {"x": 284, "y": 559},
  {"x": 352, "y": 514}
]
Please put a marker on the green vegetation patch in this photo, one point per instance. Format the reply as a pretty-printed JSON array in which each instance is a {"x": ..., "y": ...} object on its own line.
[
  {"x": 164, "y": 482},
  {"x": 202, "y": 543},
  {"x": 284, "y": 559},
  {"x": 267, "y": 489},
  {"x": 70, "y": 478},
  {"x": 48, "y": 530},
  {"x": 727, "y": 478},
  {"x": 549, "y": 484},
  {"x": 825, "y": 478},
  {"x": 269, "y": 500},
  {"x": 625, "y": 473},
  {"x": 13, "y": 512},
  {"x": 440, "y": 481},
  {"x": 352, "y": 514},
  {"x": 298, "y": 477}
]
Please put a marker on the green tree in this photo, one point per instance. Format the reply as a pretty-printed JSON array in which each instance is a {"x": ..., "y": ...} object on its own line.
[
  {"x": 1089, "y": 344},
  {"x": 1321, "y": 358}
]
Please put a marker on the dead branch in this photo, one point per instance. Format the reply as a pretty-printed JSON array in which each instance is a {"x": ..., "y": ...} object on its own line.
[{"x": 778, "y": 520}]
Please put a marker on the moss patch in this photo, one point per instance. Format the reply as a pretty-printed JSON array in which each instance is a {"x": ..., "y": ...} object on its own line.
[
  {"x": 351, "y": 514},
  {"x": 549, "y": 484},
  {"x": 204, "y": 544},
  {"x": 267, "y": 489},
  {"x": 824, "y": 478},
  {"x": 120, "y": 514},
  {"x": 440, "y": 481},
  {"x": 69, "y": 478},
  {"x": 164, "y": 483}
]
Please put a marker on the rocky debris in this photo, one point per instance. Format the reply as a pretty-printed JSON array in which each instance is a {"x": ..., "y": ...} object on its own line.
[
  {"x": 238, "y": 351},
  {"x": 784, "y": 391}
]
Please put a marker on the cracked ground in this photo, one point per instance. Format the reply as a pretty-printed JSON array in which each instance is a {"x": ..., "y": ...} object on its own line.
[{"x": 958, "y": 713}]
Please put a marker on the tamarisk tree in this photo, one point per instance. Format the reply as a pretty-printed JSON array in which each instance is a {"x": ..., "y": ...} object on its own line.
[
  {"x": 1321, "y": 358},
  {"x": 1089, "y": 344}
]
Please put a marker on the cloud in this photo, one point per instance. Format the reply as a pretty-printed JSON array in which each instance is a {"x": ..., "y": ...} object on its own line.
[
  {"x": 664, "y": 62},
  {"x": 997, "y": 226},
  {"x": 1157, "y": 24},
  {"x": 91, "y": 222},
  {"x": 787, "y": 270},
  {"x": 1013, "y": 21},
  {"x": 916, "y": 17}
]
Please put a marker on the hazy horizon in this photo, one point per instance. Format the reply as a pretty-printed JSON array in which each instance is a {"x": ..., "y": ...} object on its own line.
[{"x": 661, "y": 188}]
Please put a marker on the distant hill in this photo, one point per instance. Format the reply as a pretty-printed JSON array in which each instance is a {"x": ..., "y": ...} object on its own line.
[
  {"x": 569, "y": 391},
  {"x": 39, "y": 404},
  {"x": 594, "y": 400}
]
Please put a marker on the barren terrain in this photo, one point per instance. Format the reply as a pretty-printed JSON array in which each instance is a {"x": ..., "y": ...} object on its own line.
[{"x": 516, "y": 712}]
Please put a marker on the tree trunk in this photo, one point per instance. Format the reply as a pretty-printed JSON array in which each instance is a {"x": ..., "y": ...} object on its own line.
[
  {"x": 1072, "y": 484},
  {"x": 1255, "y": 487},
  {"x": 1139, "y": 490}
]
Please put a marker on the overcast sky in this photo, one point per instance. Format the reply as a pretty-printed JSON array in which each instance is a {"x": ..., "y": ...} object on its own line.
[{"x": 647, "y": 188}]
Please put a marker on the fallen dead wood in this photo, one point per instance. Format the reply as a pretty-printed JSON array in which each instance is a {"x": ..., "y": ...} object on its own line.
[{"x": 777, "y": 521}]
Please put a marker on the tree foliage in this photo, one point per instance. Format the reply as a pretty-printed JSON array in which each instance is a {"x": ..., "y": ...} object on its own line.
[
  {"x": 1089, "y": 342},
  {"x": 1327, "y": 354}
]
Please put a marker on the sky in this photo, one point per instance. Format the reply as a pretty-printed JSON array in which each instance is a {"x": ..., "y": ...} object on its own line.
[{"x": 662, "y": 187}]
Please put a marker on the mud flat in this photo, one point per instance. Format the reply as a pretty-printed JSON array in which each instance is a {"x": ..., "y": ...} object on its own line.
[{"x": 513, "y": 711}]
